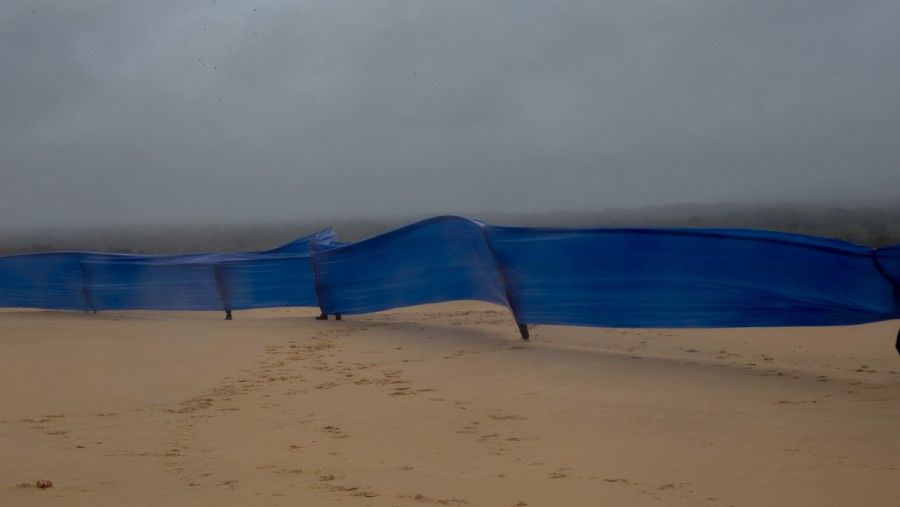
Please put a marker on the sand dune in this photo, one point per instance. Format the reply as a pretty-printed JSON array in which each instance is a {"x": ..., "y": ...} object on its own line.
[{"x": 441, "y": 405}]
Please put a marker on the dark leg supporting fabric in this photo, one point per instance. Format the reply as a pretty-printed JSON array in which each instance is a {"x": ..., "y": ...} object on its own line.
[
  {"x": 322, "y": 316},
  {"x": 523, "y": 330},
  {"x": 227, "y": 314},
  {"x": 337, "y": 316},
  {"x": 898, "y": 341}
]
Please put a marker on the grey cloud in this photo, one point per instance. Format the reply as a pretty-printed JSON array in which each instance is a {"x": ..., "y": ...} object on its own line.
[{"x": 116, "y": 112}]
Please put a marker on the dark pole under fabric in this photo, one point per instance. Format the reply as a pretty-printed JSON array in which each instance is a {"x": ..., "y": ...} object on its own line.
[
  {"x": 316, "y": 284},
  {"x": 85, "y": 290},
  {"x": 896, "y": 288},
  {"x": 523, "y": 330},
  {"x": 223, "y": 292},
  {"x": 523, "y": 327}
]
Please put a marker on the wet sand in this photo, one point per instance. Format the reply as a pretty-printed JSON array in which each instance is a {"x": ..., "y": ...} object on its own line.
[{"x": 441, "y": 405}]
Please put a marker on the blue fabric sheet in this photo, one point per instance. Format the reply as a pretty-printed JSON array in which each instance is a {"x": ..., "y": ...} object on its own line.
[
  {"x": 688, "y": 278},
  {"x": 54, "y": 281},
  {"x": 122, "y": 282},
  {"x": 598, "y": 277},
  {"x": 440, "y": 259},
  {"x": 888, "y": 260},
  {"x": 100, "y": 281}
]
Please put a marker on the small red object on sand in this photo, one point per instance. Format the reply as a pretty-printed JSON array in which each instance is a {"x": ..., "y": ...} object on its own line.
[{"x": 44, "y": 483}]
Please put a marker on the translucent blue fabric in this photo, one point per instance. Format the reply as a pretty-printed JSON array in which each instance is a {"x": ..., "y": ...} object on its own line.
[
  {"x": 54, "y": 281},
  {"x": 888, "y": 260},
  {"x": 121, "y": 282},
  {"x": 100, "y": 281},
  {"x": 598, "y": 277},
  {"x": 688, "y": 278},
  {"x": 440, "y": 259}
]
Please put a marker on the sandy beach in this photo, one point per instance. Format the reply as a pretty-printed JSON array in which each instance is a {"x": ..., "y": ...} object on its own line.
[{"x": 440, "y": 405}]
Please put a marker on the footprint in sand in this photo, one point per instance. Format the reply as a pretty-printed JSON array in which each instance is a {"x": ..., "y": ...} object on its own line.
[
  {"x": 560, "y": 473},
  {"x": 296, "y": 471},
  {"x": 519, "y": 439},
  {"x": 461, "y": 353},
  {"x": 334, "y": 431},
  {"x": 505, "y": 417},
  {"x": 789, "y": 402},
  {"x": 440, "y": 501},
  {"x": 468, "y": 429}
]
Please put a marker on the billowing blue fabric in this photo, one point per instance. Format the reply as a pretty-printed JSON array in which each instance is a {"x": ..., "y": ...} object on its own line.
[
  {"x": 440, "y": 259},
  {"x": 279, "y": 277},
  {"x": 889, "y": 264},
  {"x": 267, "y": 281},
  {"x": 148, "y": 282},
  {"x": 47, "y": 280},
  {"x": 100, "y": 281},
  {"x": 688, "y": 278},
  {"x": 596, "y": 277}
]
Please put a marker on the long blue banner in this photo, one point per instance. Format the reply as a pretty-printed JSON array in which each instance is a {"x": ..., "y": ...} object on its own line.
[{"x": 651, "y": 277}]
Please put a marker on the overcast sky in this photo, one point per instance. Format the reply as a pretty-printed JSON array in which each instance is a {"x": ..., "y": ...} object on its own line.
[{"x": 118, "y": 112}]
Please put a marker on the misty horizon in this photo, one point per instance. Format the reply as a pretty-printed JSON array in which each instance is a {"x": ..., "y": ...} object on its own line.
[
  {"x": 867, "y": 225},
  {"x": 677, "y": 210}
]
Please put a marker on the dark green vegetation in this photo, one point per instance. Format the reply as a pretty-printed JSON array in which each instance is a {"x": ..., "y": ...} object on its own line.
[{"x": 870, "y": 225}]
